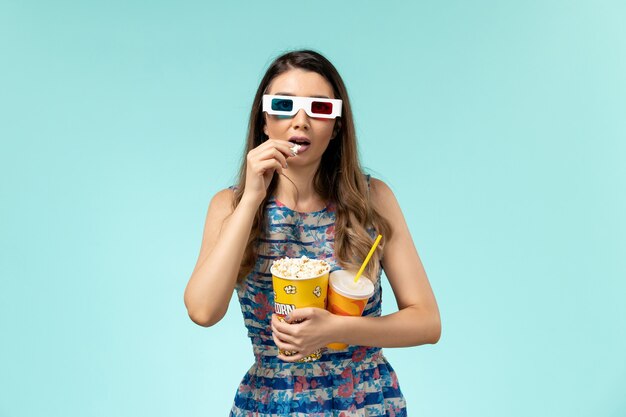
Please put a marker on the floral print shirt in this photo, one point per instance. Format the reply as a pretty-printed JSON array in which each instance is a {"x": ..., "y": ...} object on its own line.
[{"x": 356, "y": 381}]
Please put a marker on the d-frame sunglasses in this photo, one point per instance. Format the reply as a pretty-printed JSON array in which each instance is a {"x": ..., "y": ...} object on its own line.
[{"x": 325, "y": 108}]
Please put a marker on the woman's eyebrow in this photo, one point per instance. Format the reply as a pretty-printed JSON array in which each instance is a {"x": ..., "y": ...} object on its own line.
[{"x": 293, "y": 95}]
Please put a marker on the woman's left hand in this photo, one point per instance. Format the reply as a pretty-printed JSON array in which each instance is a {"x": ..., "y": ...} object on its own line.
[{"x": 305, "y": 330}]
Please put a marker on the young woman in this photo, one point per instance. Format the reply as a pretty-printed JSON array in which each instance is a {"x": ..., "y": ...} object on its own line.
[{"x": 317, "y": 202}]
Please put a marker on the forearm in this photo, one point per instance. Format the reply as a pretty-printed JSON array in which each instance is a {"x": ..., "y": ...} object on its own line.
[
  {"x": 212, "y": 283},
  {"x": 410, "y": 326}
]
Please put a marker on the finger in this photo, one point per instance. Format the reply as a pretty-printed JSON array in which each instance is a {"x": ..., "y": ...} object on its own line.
[
  {"x": 277, "y": 324},
  {"x": 268, "y": 165},
  {"x": 276, "y": 154},
  {"x": 292, "y": 358},
  {"x": 279, "y": 343},
  {"x": 275, "y": 321},
  {"x": 280, "y": 143},
  {"x": 283, "y": 345},
  {"x": 283, "y": 330},
  {"x": 284, "y": 145},
  {"x": 299, "y": 315},
  {"x": 268, "y": 155}
]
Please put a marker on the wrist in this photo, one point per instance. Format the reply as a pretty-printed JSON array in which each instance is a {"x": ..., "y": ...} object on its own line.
[
  {"x": 249, "y": 202},
  {"x": 338, "y": 329}
]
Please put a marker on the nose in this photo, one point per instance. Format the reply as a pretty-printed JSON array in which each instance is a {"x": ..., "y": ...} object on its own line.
[{"x": 300, "y": 120}]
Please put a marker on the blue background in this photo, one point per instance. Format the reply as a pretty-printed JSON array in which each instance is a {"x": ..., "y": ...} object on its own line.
[{"x": 499, "y": 125}]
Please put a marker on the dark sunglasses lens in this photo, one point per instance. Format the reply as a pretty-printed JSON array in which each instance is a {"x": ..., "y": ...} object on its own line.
[
  {"x": 321, "y": 107},
  {"x": 282, "y": 104}
]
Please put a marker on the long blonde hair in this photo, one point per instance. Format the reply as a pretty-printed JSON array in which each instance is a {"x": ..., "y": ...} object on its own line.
[{"x": 339, "y": 178}]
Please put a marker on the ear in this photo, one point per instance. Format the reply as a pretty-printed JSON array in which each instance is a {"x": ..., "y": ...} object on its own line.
[{"x": 265, "y": 124}]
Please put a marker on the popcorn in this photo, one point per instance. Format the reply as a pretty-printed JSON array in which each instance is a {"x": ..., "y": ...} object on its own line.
[
  {"x": 290, "y": 289},
  {"x": 317, "y": 291},
  {"x": 299, "y": 268},
  {"x": 295, "y": 148}
]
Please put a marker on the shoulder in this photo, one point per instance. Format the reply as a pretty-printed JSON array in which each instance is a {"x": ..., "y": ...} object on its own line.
[
  {"x": 227, "y": 195},
  {"x": 380, "y": 193},
  {"x": 223, "y": 201},
  {"x": 383, "y": 199}
]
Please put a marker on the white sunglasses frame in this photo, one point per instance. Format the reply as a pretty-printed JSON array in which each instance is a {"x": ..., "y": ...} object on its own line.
[{"x": 302, "y": 103}]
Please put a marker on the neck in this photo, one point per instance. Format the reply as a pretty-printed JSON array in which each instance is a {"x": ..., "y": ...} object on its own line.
[{"x": 299, "y": 193}]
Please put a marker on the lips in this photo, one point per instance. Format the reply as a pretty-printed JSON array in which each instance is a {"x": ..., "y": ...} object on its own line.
[{"x": 304, "y": 142}]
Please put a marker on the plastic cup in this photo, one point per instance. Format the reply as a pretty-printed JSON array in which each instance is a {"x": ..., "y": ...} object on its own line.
[
  {"x": 347, "y": 298},
  {"x": 291, "y": 293}
]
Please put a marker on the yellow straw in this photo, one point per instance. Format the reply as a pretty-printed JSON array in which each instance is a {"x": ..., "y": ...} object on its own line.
[{"x": 367, "y": 258}]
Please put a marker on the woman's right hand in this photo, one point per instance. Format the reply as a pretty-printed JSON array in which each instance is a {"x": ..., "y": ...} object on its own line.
[{"x": 262, "y": 161}]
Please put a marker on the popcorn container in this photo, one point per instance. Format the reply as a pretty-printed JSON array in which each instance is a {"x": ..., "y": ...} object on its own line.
[{"x": 295, "y": 292}]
